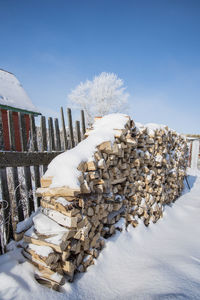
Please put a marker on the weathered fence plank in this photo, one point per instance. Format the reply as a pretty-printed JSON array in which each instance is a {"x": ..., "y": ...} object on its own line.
[
  {"x": 44, "y": 140},
  {"x": 64, "y": 130},
  {"x": 51, "y": 135},
  {"x": 22, "y": 127},
  {"x": 27, "y": 171},
  {"x": 35, "y": 148},
  {"x": 83, "y": 122},
  {"x": 57, "y": 133},
  {"x": 6, "y": 209},
  {"x": 14, "y": 170},
  {"x": 78, "y": 132},
  {"x": 71, "y": 134},
  {"x": 11, "y": 131},
  {"x": 44, "y": 133},
  {"x": 34, "y": 145},
  {"x": 22, "y": 159}
]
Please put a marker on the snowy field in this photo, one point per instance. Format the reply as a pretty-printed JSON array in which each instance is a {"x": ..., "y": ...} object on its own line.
[{"x": 158, "y": 262}]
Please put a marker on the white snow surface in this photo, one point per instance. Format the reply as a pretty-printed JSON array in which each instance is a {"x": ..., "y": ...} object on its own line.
[
  {"x": 46, "y": 226},
  {"x": 41, "y": 250},
  {"x": 62, "y": 201},
  {"x": 63, "y": 167},
  {"x": 12, "y": 93},
  {"x": 158, "y": 262},
  {"x": 27, "y": 223},
  {"x": 151, "y": 127}
]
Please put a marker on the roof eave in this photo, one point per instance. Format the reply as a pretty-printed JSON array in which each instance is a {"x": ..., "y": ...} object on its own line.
[{"x": 6, "y": 107}]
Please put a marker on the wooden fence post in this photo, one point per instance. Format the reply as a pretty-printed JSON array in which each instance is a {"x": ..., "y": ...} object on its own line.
[
  {"x": 83, "y": 122},
  {"x": 78, "y": 132},
  {"x": 11, "y": 131},
  {"x": 44, "y": 133},
  {"x": 7, "y": 209},
  {"x": 35, "y": 148},
  {"x": 44, "y": 138},
  {"x": 71, "y": 134},
  {"x": 27, "y": 172},
  {"x": 51, "y": 135},
  {"x": 16, "y": 192},
  {"x": 64, "y": 130},
  {"x": 57, "y": 132}
]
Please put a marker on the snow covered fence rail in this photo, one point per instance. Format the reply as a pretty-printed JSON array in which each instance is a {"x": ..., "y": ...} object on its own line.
[
  {"x": 20, "y": 172},
  {"x": 119, "y": 170}
]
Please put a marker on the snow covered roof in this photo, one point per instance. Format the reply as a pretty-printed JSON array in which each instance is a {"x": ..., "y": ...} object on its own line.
[{"x": 12, "y": 94}]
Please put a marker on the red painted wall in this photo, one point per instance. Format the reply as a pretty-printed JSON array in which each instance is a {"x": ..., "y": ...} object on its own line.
[
  {"x": 17, "y": 133},
  {"x": 16, "y": 129},
  {"x": 5, "y": 129}
]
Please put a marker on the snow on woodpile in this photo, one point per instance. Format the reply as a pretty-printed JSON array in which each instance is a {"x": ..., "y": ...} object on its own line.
[
  {"x": 119, "y": 170},
  {"x": 63, "y": 168},
  {"x": 12, "y": 93}
]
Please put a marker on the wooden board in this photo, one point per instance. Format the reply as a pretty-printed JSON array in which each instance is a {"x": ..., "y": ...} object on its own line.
[{"x": 58, "y": 192}]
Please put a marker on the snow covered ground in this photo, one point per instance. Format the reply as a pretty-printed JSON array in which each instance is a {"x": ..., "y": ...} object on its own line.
[{"x": 158, "y": 262}]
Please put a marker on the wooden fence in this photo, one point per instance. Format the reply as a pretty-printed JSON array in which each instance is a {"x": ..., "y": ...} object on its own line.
[{"x": 44, "y": 143}]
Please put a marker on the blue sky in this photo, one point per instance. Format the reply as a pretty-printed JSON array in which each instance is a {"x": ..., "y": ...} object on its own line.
[{"x": 154, "y": 46}]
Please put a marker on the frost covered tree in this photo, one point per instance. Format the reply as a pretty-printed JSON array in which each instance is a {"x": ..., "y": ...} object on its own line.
[{"x": 104, "y": 94}]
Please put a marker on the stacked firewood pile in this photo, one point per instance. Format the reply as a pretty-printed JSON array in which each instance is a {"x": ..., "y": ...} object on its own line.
[{"x": 133, "y": 176}]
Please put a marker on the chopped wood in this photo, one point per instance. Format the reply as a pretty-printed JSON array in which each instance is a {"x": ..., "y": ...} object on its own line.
[
  {"x": 59, "y": 192},
  {"x": 120, "y": 180},
  {"x": 50, "y": 275},
  {"x": 61, "y": 219},
  {"x": 36, "y": 241},
  {"x": 82, "y": 166},
  {"x": 46, "y": 181},
  {"x": 133, "y": 176},
  {"x": 46, "y": 282},
  {"x": 85, "y": 189},
  {"x": 105, "y": 147},
  {"x": 49, "y": 260},
  {"x": 91, "y": 166},
  {"x": 60, "y": 208},
  {"x": 68, "y": 267}
]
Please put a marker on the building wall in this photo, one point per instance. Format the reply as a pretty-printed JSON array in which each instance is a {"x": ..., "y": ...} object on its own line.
[
  {"x": 1, "y": 133},
  {"x": 4, "y": 139},
  {"x": 5, "y": 129}
]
